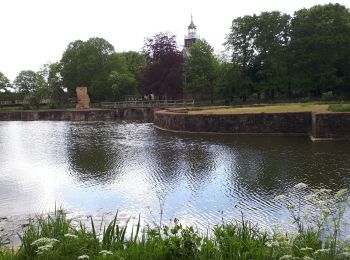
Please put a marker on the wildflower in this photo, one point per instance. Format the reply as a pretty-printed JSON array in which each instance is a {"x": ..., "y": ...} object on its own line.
[
  {"x": 70, "y": 236},
  {"x": 326, "y": 211},
  {"x": 322, "y": 251},
  {"x": 345, "y": 254},
  {"x": 280, "y": 197},
  {"x": 300, "y": 186},
  {"x": 307, "y": 258},
  {"x": 106, "y": 252},
  {"x": 275, "y": 243},
  {"x": 306, "y": 249},
  {"x": 341, "y": 193},
  {"x": 83, "y": 257},
  {"x": 285, "y": 257},
  {"x": 42, "y": 249},
  {"x": 44, "y": 241}
]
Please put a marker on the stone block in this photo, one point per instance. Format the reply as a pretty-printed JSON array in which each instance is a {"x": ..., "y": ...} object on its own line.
[{"x": 83, "y": 100}]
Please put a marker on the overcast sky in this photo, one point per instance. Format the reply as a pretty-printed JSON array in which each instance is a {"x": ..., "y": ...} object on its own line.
[{"x": 34, "y": 32}]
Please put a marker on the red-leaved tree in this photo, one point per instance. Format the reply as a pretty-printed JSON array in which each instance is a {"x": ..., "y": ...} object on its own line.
[{"x": 163, "y": 75}]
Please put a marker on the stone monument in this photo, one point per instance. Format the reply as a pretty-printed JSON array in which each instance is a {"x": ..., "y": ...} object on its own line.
[{"x": 83, "y": 100}]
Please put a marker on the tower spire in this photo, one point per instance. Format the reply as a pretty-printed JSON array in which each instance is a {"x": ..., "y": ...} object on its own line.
[{"x": 191, "y": 37}]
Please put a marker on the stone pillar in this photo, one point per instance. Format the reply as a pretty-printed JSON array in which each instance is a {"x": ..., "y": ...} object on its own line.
[{"x": 83, "y": 100}]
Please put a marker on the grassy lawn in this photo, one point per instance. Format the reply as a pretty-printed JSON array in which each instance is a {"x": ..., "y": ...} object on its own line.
[{"x": 291, "y": 107}]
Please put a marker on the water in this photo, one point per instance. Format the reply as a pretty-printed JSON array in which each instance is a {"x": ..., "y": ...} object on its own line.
[{"x": 102, "y": 167}]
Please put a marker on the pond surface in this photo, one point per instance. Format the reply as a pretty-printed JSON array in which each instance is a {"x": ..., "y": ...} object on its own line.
[{"x": 199, "y": 179}]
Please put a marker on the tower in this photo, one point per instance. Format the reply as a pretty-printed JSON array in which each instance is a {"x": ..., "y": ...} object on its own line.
[{"x": 191, "y": 37}]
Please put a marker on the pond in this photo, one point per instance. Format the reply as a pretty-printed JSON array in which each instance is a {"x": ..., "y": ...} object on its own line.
[{"x": 137, "y": 169}]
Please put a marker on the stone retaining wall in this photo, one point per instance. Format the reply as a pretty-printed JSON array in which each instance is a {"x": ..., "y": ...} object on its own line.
[
  {"x": 262, "y": 123},
  {"x": 331, "y": 126},
  {"x": 142, "y": 114}
]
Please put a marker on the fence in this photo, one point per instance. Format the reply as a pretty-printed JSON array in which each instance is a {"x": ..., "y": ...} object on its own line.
[{"x": 149, "y": 103}]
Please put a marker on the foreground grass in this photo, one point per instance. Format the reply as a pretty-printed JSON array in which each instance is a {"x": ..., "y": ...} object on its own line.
[
  {"x": 278, "y": 108},
  {"x": 317, "y": 237}
]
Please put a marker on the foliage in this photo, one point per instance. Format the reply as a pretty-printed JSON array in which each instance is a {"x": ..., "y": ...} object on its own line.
[
  {"x": 163, "y": 75},
  {"x": 318, "y": 216},
  {"x": 122, "y": 84},
  {"x": 28, "y": 81},
  {"x": 292, "y": 57},
  {"x": 201, "y": 69},
  {"x": 5, "y": 84},
  {"x": 136, "y": 63},
  {"x": 319, "y": 39},
  {"x": 88, "y": 63}
]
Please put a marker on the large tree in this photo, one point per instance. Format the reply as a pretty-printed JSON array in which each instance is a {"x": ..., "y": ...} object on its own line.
[
  {"x": 29, "y": 81},
  {"x": 201, "y": 69},
  {"x": 89, "y": 63},
  {"x": 258, "y": 44},
  {"x": 163, "y": 75},
  {"x": 320, "y": 40}
]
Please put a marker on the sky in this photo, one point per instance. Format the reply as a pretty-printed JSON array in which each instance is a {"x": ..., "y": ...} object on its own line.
[{"x": 35, "y": 32}]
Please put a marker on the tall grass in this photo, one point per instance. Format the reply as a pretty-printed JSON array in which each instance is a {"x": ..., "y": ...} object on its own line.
[{"x": 317, "y": 236}]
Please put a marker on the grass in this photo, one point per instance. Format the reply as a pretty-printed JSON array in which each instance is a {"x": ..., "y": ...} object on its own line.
[
  {"x": 317, "y": 237},
  {"x": 339, "y": 107},
  {"x": 278, "y": 108}
]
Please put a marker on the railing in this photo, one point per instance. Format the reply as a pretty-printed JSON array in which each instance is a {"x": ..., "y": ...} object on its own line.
[{"x": 149, "y": 103}]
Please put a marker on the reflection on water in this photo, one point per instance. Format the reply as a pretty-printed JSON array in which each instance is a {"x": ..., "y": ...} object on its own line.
[{"x": 132, "y": 167}]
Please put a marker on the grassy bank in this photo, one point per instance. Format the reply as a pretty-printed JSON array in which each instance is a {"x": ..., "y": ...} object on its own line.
[
  {"x": 318, "y": 235},
  {"x": 277, "y": 108}
]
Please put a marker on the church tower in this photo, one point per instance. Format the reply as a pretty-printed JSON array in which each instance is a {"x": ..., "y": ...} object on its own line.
[{"x": 191, "y": 37}]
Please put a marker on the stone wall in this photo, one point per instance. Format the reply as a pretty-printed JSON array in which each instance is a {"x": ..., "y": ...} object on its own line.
[
  {"x": 262, "y": 123},
  {"x": 141, "y": 114},
  {"x": 331, "y": 126}
]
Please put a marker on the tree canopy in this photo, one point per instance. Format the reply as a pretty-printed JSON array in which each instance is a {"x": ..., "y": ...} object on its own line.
[
  {"x": 201, "y": 69},
  {"x": 163, "y": 74}
]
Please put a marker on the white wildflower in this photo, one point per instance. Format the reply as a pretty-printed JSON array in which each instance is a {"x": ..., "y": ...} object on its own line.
[
  {"x": 322, "y": 251},
  {"x": 70, "y": 236},
  {"x": 341, "y": 193},
  {"x": 275, "y": 244},
  {"x": 306, "y": 249},
  {"x": 280, "y": 197},
  {"x": 326, "y": 211},
  {"x": 285, "y": 257},
  {"x": 300, "y": 186},
  {"x": 44, "y": 241},
  {"x": 83, "y": 257},
  {"x": 345, "y": 254},
  {"x": 106, "y": 252},
  {"x": 307, "y": 258},
  {"x": 268, "y": 244}
]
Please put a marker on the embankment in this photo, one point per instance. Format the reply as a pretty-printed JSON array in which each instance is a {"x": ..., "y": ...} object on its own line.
[
  {"x": 141, "y": 114},
  {"x": 319, "y": 126}
]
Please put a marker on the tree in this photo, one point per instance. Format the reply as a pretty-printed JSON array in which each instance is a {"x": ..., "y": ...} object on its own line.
[
  {"x": 163, "y": 75},
  {"x": 320, "y": 40},
  {"x": 201, "y": 69},
  {"x": 29, "y": 81},
  {"x": 258, "y": 44},
  {"x": 5, "y": 84},
  {"x": 136, "y": 63},
  {"x": 122, "y": 84},
  {"x": 89, "y": 64}
]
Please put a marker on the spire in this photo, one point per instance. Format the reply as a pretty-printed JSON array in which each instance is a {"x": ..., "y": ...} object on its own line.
[{"x": 192, "y": 26}]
